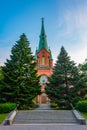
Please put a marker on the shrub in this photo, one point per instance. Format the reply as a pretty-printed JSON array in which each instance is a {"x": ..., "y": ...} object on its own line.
[
  {"x": 29, "y": 106},
  {"x": 7, "y": 107},
  {"x": 64, "y": 104},
  {"x": 82, "y": 106},
  {"x": 53, "y": 105}
]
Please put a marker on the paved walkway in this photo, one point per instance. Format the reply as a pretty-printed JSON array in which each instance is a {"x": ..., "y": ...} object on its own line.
[{"x": 44, "y": 127}]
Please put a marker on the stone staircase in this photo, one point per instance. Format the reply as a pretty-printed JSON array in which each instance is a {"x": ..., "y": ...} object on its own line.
[
  {"x": 44, "y": 115},
  {"x": 47, "y": 116}
]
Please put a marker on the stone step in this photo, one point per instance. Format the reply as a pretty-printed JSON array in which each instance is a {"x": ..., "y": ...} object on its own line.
[{"x": 45, "y": 116}]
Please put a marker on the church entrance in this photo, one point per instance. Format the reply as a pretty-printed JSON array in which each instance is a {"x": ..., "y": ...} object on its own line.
[{"x": 43, "y": 99}]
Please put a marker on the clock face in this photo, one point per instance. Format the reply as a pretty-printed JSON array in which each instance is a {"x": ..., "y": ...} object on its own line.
[{"x": 43, "y": 79}]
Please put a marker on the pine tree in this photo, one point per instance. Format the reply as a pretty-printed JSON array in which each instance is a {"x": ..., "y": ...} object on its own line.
[
  {"x": 21, "y": 83},
  {"x": 61, "y": 85}
]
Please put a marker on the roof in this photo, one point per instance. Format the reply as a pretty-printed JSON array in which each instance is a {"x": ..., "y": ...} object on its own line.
[{"x": 43, "y": 41}]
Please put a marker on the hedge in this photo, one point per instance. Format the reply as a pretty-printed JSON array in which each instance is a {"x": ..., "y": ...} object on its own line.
[
  {"x": 7, "y": 107},
  {"x": 82, "y": 106}
]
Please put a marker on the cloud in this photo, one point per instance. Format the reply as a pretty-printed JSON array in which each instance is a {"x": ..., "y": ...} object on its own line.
[
  {"x": 76, "y": 16},
  {"x": 73, "y": 32},
  {"x": 78, "y": 53},
  {"x": 4, "y": 54}
]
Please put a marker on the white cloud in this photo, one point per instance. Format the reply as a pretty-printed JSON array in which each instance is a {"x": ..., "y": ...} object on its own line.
[
  {"x": 4, "y": 54},
  {"x": 74, "y": 32},
  {"x": 79, "y": 54}
]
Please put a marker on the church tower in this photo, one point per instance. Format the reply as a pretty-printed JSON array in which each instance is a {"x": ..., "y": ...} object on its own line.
[{"x": 44, "y": 61}]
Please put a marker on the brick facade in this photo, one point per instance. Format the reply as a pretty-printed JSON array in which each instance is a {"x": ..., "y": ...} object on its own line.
[{"x": 44, "y": 63}]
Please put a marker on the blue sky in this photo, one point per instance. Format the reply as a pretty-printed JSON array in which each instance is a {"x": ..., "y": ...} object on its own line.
[{"x": 65, "y": 24}]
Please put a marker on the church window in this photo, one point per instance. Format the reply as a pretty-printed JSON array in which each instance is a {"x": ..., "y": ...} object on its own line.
[{"x": 43, "y": 60}]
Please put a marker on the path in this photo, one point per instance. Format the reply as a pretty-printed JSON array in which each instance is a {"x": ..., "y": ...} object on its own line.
[{"x": 44, "y": 127}]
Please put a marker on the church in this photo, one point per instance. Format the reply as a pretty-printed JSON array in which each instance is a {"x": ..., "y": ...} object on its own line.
[{"x": 44, "y": 60}]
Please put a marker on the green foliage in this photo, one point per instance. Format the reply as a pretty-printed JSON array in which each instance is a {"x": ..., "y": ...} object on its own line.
[
  {"x": 2, "y": 117},
  {"x": 61, "y": 85},
  {"x": 1, "y": 74},
  {"x": 20, "y": 83},
  {"x": 84, "y": 114},
  {"x": 82, "y": 106},
  {"x": 7, "y": 107},
  {"x": 82, "y": 83},
  {"x": 30, "y": 106},
  {"x": 83, "y": 67},
  {"x": 54, "y": 105}
]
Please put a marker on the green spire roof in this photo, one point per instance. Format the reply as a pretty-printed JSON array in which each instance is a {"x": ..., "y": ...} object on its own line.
[{"x": 43, "y": 40}]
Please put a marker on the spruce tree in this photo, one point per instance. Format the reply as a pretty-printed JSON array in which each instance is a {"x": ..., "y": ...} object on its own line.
[
  {"x": 61, "y": 85},
  {"x": 21, "y": 83},
  {"x": 82, "y": 83},
  {"x": 1, "y": 74}
]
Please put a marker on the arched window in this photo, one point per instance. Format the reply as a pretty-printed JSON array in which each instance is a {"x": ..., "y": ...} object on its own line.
[{"x": 43, "y": 61}]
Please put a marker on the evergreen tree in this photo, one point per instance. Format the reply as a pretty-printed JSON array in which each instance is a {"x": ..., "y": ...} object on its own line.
[
  {"x": 61, "y": 85},
  {"x": 82, "y": 83},
  {"x": 1, "y": 74},
  {"x": 1, "y": 78},
  {"x": 21, "y": 83}
]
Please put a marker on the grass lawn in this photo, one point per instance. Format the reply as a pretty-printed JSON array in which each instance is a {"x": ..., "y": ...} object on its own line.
[
  {"x": 2, "y": 117},
  {"x": 84, "y": 114}
]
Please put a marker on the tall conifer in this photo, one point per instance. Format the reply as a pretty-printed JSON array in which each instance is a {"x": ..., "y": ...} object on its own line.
[
  {"x": 21, "y": 83},
  {"x": 61, "y": 84},
  {"x": 82, "y": 83}
]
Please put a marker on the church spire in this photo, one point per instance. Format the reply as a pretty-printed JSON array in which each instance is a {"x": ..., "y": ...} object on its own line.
[
  {"x": 42, "y": 29},
  {"x": 43, "y": 40}
]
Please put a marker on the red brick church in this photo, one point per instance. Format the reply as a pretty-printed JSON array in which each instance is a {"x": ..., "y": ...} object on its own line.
[{"x": 44, "y": 61}]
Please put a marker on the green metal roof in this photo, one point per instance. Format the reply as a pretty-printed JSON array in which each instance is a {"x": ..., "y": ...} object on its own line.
[{"x": 43, "y": 40}]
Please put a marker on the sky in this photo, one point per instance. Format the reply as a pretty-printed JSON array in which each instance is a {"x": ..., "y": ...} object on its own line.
[{"x": 65, "y": 24}]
